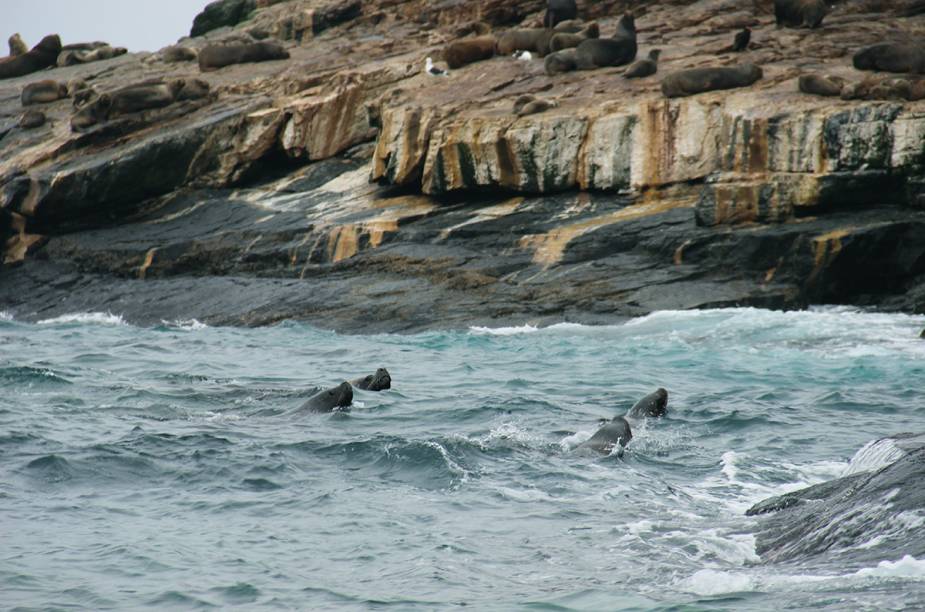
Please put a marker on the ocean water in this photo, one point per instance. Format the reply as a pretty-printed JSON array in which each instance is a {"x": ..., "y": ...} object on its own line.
[{"x": 169, "y": 468}]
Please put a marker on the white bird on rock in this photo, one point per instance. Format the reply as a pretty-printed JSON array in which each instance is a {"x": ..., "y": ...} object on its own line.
[
  {"x": 432, "y": 70},
  {"x": 523, "y": 55}
]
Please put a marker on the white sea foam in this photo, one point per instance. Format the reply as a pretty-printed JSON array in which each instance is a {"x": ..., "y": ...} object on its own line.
[
  {"x": 709, "y": 582},
  {"x": 186, "y": 324},
  {"x": 93, "y": 318},
  {"x": 5, "y": 316},
  {"x": 907, "y": 567},
  {"x": 873, "y": 456},
  {"x": 529, "y": 329},
  {"x": 569, "y": 442},
  {"x": 504, "y": 331}
]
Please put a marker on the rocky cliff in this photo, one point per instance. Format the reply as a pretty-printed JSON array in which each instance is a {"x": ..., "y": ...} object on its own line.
[{"x": 348, "y": 188}]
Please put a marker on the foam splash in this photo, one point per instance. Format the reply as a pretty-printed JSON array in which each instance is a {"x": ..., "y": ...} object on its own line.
[
  {"x": 5, "y": 316},
  {"x": 529, "y": 329},
  {"x": 186, "y": 324},
  {"x": 907, "y": 567},
  {"x": 873, "y": 456},
  {"x": 93, "y": 318},
  {"x": 504, "y": 331},
  {"x": 710, "y": 582}
]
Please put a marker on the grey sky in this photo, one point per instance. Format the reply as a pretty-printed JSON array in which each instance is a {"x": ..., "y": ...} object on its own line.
[{"x": 138, "y": 25}]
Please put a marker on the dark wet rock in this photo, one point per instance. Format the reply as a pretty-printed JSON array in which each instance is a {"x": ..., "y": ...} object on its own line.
[
  {"x": 222, "y": 13},
  {"x": 860, "y": 518}
]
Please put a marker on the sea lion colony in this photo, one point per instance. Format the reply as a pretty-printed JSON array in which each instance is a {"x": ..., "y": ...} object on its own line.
[
  {"x": 565, "y": 43},
  {"x": 569, "y": 45}
]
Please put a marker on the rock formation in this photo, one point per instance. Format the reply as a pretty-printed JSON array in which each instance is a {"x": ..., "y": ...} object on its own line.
[{"x": 347, "y": 188}]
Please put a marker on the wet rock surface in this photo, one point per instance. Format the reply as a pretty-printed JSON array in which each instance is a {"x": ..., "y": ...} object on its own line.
[
  {"x": 346, "y": 187},
  {"x": 862, "y": 517}
]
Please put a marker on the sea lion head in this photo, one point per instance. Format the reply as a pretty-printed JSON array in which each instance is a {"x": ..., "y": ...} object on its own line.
[
  {"x": 654, "y": 54},
  {"x": 660, "y": 404},
  {"x": 50, "y": 44},
  {"x": 272, "y": 50},
  {"x": 627, "y": 22},
  {"x": 342, "y": 395},
  {"x": 752, "y": 71},
  {"x": 380, "y": 380}
]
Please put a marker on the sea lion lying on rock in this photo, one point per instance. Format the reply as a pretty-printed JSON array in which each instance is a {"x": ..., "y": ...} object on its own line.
[
  {"x": 616, "y": 51},
  {"x": 40, "y": 56},
  {"x": 329, "y": 400},
  {"x": 891, "y": 57},
  {"x": 700, "y": 80},
  {"x": 821, "y": 85},
  {"x": 798, "y": 13},
  {"x": 530, "y": 105},
  {"x": 561, "y": 61},
  {"x": 468, "y": 50},
  {"x": 32, "y": 119},
  {"x": 565, "y": 40},
  {"x": 17, "y": 46},
  {"x": 178, "y": 53},
  {"x": 644, "y": 67},
  {"x": 374, "y": 382},
  {"x": 885, "y": 88},
  {"x": 136, "y": 98},
  {"x": 79, "y": 56},
  {"x": 559, "y": 10},
  {"x": 214, "y": 57},
  {"x": 535, "y": 40},
  {"x": 570, "y": 26},
  {"x": 42, "y": 92}
]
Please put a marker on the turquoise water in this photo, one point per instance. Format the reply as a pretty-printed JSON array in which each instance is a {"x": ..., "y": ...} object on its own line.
[{"x": 167, "y": 467}]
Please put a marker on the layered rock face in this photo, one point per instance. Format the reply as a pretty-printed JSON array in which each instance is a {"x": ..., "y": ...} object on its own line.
[{"x": 347, "y": 187}]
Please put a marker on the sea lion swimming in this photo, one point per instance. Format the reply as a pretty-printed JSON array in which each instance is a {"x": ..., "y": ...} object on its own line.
[
  {"x": 615, "y": 432},
  {"x": 559, "y": 10},
  {"x": 700, "y": 80},
  {"x": 374, "y": 382},
  {"x": 891, "y": 57},
  {"x": 821, "y": 85},
  {"x": 565, "y": 40},
  {"x": 644, "y": 67},
  {"x": 618, "y": 431},
  {"x": 603, "y": 52},
  {"x": 42, "y": 92},
  {"x": 653, "y": 405},
  {"x": 798, "y": 13},
  {"x": 17, "y": 46},
  {"x": 213, "y": 57},
  {"x": 328, "y": 400},
  {"x": 42, "y": 55},
  {"x": 468, "y": 50}
]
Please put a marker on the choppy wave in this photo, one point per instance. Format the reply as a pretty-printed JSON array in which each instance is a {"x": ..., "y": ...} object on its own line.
[{"x": 155, "y": 452}]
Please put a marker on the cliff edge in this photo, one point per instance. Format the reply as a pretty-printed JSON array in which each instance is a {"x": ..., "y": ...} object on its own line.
[{"x": 348, "y": 187}]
